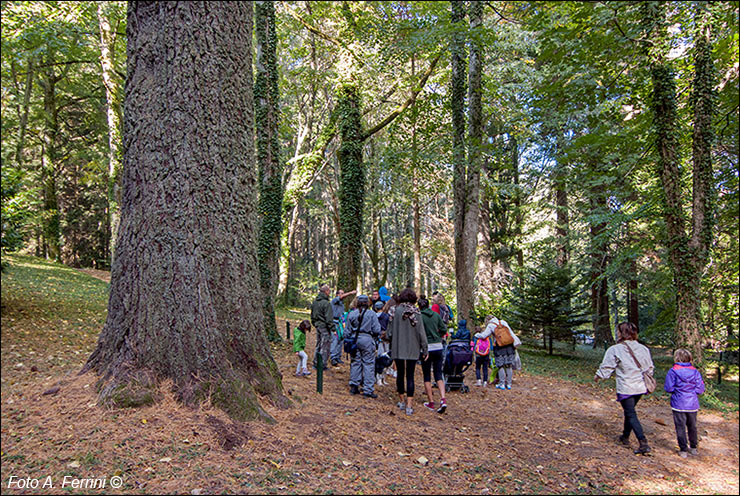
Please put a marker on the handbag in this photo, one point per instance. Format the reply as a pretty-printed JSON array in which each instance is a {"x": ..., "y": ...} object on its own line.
[
  {"x": 517, "y": 361},
  {"x": 650, "y": 382},
  {"x": 350, "y": 340}
]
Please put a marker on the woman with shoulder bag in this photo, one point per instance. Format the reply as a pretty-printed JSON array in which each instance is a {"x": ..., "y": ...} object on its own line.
[{"x": 634, "y": 370}]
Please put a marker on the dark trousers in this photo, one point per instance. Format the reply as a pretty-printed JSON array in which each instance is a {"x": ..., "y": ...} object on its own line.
[
  {"x": 433, "y": 361},
  {"x": 684, "y": 421},
  {"x": 481, "y": 362},
  {"x": 405, "y": 368},
  {"x": 631, "y": 423}
]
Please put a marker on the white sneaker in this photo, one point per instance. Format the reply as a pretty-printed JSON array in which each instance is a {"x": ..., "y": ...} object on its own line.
[
  {"x": 392, "y": 373},
  {"x": 485, "y": 384},
  {"x": 478, "y": 383}
]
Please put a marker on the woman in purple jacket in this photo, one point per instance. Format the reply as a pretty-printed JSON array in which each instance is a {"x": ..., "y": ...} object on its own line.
[{"x": 684, "y": 383}]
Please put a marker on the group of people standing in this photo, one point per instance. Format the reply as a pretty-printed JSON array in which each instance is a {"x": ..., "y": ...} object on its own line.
[{"x": 395, "y": 333}]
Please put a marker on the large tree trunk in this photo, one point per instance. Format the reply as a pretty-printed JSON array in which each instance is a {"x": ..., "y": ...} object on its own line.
[
  {"x": 114, "y": 126},
  {"x": 351, "y": 187},
  {"x": 185, "y": 302},
  {"x": 268, "y": 157}
]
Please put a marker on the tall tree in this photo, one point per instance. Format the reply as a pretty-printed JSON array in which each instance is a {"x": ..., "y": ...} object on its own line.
[
  {"x": 185, "y": 298},
  {"x": 270, "y": 174},
  {"x": 466, "y": 172},
  {"x": 688, "y": 252}
]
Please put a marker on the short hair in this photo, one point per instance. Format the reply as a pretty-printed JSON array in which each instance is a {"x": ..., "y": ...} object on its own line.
[
  {"x": 407, "y": 296},
  {"x": 682, "y": 356},
  {"x": 339, "y": 291},
  {"x": 305, "y": 326},
  {"x": 324, "y": 288},
  {"x": 423, "y": 303},
  {"x": 627, "y": 331}
]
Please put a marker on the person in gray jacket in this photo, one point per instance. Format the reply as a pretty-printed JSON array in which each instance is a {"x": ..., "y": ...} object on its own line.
[
  {"x": 364, "y": 323},
  {"x": 408, "y": 343},
  {"x": 630, "y": 383},
  {"x": 322, "y": 318}
]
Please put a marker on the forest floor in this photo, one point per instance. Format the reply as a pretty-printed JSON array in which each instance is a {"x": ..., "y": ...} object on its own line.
[{"x": 547, "y": 435}]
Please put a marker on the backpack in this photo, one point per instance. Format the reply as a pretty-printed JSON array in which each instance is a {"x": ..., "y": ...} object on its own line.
[
  {"x": 503, "y": 336},
  {"x": 482, "y": 347},
  {"x": 350, "y": 339},
  {"x": 444, "y": 312}
]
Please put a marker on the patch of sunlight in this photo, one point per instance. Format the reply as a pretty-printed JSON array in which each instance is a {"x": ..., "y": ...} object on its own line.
[{"x": 594, "y": 405}]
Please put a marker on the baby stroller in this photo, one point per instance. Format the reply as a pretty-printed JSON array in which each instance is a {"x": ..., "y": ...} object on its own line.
[{"x": 458, "y": 359}]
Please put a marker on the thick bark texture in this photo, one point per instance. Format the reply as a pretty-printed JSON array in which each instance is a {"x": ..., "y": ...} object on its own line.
[
  {"x": 185, "y": 302},
  {"x": 23, "y": 111},
  {"x": 268, "y": 158}
]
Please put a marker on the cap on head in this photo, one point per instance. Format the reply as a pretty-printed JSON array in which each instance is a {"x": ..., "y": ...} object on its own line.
[
  {"x": 363, "y": 299},
  {"x": 378, "y": 305}
]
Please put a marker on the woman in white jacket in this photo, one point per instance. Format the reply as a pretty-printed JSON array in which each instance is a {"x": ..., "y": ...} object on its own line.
[
  {"x": 504, "y": 356},
  {"x": 630, "y": 382}
]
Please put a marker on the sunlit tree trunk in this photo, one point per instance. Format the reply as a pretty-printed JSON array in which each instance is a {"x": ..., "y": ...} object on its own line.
[{"x": 112, "y": 89}]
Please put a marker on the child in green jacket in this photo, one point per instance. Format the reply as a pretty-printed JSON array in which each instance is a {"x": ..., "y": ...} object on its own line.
[{"x": 299, "y": 347}]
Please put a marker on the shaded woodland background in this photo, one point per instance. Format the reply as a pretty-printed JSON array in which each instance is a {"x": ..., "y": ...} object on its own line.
[{"x": 573, "y": 233}]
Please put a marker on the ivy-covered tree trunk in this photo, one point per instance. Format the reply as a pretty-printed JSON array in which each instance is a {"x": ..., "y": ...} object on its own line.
[
  {"x": 112, "y": 89},
  {"x": 268, "y": 158},
  {"x": 185, "y": 300},
  {"x": 688, "y": 254},
  {"x": 351, "y": 185}
]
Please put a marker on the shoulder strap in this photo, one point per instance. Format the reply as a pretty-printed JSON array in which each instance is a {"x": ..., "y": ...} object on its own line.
[
  {"x": 359, "y": 321},
  {"x": 632, "y": 354}
]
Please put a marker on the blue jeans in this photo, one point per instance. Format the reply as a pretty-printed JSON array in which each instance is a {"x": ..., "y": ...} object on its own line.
[{"x": 631, "y": 423}]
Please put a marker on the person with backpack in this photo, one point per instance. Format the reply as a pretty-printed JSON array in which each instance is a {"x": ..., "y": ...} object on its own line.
[
  {"x": 504, "y": 349},
  {"x": 363, "y": 326},
  {"x": 299, "y": 347},
  {"x": 482, "y": 349},
  {"x": 632, "y": 362},
  {"x": 384, "y": 349},
  {"x": 684, "y": 383},
  {"x": 435, "y": 329},
  {"x": 337, "y": 306},
  {"x": 408, "y": 342}
]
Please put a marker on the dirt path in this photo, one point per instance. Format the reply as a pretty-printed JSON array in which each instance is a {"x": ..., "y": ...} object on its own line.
[
  {"x": 543, "y": 436},
  {"x": 103, "y": 275}
]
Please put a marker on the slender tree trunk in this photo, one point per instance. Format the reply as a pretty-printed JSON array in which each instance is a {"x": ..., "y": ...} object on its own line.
[
  {"x": 114, "y": 126},
  {"x": 23, "y": 113},
  {"x": 562, "y": 227},
  {"x": 599, "y": 261},
  {"x": 270, "y": 171},
  {"x": 50, "y": 216},
  {"x": 185, "y": 298}
]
